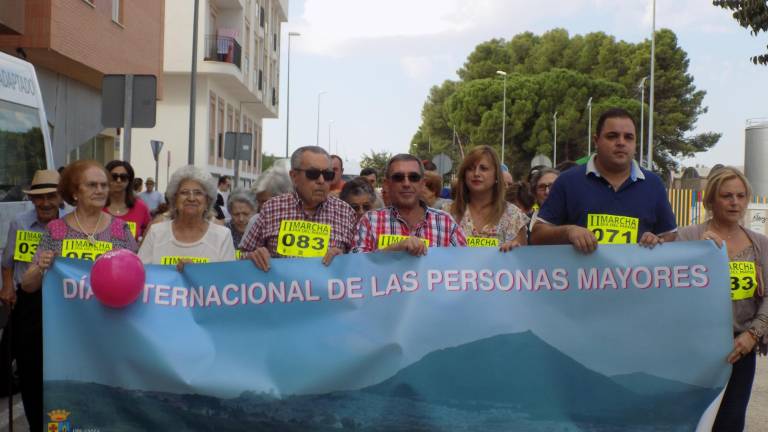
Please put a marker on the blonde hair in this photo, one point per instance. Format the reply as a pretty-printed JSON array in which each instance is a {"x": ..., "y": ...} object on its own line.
[
  {"x": 715, "y": 181},
  {"x": 459, "y": 205}
]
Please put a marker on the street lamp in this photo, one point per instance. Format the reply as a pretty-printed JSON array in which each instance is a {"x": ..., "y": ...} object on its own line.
[
  {"x": 642, "y": 116},
  {"x": 649, "y": 162},
  {"x": 554, "y": 143},
  {"x": 317, "y": 142},
  {"x": 288, "y": 95},
  {"x": 330, "y": 124},
  {"x": 589, "y": 127},
  {"x": 504, "y": 115}
]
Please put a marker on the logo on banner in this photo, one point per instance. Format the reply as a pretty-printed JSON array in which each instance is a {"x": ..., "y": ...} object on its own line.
[{"x": 59, "y": 422}]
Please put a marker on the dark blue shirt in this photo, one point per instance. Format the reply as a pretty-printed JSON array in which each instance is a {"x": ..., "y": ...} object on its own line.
[{"x": 581, "y": 191}]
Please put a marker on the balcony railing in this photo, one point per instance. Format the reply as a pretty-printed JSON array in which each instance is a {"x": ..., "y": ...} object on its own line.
[{"x": 222, "y": 48}]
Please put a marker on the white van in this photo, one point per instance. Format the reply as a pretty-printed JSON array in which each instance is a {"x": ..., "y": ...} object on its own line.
[{"x": 25, "y": 142}]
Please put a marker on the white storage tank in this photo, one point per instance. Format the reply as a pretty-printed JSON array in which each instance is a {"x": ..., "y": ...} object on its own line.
[{"x": 756, "y": 155}]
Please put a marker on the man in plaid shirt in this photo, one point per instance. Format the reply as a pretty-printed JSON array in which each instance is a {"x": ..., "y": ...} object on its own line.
[
  {"x": 407, "y": 224},
  {"x": 304, "y": 223}
]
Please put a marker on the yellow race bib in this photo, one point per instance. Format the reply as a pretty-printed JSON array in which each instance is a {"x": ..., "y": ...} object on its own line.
[
  {"x": 298, "y": 238},
  {"x": 239, "y": 254},
  {"x": 613, "y": 229},
  {"x": 743, "y": 279},
  {"x": 132, "y": 227},
  {"x": 26, "y": 245},
  {"x": 84, "y": 249},
  {"x": 482, "y": 241},
  {"x": 386, "y": 240},
  {"x": 173, "y": 260}
]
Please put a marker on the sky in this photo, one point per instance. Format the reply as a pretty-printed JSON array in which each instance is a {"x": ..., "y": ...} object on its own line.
[{"x": 376, "y": 61}]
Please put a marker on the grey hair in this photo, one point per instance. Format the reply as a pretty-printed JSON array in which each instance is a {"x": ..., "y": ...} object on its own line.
[
  {"x": 296, "y": 156},
  {"x": 404, "y": 157},
  {"x": 275, "y": 180},
  {"x": 241, "y": 196},
  {"x": 190, "y": 172}
]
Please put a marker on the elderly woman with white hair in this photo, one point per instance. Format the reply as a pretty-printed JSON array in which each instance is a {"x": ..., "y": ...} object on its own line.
[
  {"x": 189, "y": 236},
  {"x": 273, "y": 182},
  {"x": 241, "y": 207}
]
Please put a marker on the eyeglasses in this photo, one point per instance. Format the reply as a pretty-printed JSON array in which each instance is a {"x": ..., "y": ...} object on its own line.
[
  {"x": 95, "y": 185},
  {"x": 358, "y": 207},
  {"x": 544, "y": 186},
  {"x": 314, "y": 173},
  {"x": 399, "y": 177},
  {"x": 191, "y": 193},
  {"x": 120, "y": 177}
]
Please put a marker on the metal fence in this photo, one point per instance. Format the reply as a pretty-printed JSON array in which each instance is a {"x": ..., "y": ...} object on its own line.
[{"x": 688, "y": 205}]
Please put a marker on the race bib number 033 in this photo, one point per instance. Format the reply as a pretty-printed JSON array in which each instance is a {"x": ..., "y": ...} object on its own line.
[
  {"x": 482, "y": 242},
  {"x": 84, "y": 249},
  {"x": 386, "y": 240},
  {"x": 612, "y": 229},
  {"x": 298, "y": 238},
  {"x": 743, "y": 279},
  {"x": 26, "y": 245}
]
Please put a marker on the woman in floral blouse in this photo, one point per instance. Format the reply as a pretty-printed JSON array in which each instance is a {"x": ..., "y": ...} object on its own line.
[{"x": 480, "y": 208}]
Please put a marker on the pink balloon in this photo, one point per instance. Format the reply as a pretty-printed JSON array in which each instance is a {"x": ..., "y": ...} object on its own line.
[{"x": 117, "y": 278}]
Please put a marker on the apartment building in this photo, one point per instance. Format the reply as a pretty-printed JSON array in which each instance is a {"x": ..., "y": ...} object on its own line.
[
  {"x": 237, "y": 84},
  {"x": 72, "y": 44}
]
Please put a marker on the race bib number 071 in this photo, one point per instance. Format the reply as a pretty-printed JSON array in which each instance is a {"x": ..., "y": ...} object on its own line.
[
  {"x": 613, "y": 229},
  {"x": 84, "y": 249},
  {"x": 298, "y": 238}
]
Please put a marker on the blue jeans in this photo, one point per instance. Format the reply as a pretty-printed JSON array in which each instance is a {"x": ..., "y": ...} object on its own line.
[{"x": 733, "y": 408}]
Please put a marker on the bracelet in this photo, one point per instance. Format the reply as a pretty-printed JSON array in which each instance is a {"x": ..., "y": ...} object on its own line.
[{"x": 753, "y": 333}]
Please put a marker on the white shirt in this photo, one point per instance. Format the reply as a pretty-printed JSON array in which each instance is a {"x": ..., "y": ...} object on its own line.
[{"x": 215, "y": 245}]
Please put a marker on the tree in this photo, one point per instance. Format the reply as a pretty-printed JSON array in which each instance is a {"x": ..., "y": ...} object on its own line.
[
  {"x": 555, "y": 72},
  {"x": 267, "y": 160},
  {"x": 377, "y": 161},
  {"x": 750, "y": 14}
]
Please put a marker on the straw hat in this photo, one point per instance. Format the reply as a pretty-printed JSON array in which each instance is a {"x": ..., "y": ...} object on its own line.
[{"x": 44, "y": 181}]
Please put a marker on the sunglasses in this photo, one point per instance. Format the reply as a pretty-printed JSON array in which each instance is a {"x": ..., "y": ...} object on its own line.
[
  {"x": 120, "y": 177},
  {"x": 314, "y": 173},
  {"x": 399, "y": 177}
]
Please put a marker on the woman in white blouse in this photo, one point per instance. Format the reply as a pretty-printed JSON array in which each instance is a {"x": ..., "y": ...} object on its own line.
[{"x": 188, "y": 236}]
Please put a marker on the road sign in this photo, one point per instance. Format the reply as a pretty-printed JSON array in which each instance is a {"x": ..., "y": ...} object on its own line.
[
  {"x": 443, "y": 163},
  {"x": 156, "y": 147},
  {"x": 143, "y": 96}
]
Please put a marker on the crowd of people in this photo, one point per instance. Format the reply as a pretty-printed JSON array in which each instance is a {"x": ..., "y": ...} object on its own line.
[{"x": 303, "y": 208}]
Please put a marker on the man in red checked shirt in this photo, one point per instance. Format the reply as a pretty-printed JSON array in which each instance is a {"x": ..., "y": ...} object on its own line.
[
  {"x": 304, "y": 223},
  {"x": 407, "y": 224}
]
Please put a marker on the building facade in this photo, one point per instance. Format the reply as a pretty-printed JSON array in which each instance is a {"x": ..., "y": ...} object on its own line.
[
  {"x": 237, "y": 85},
  {"x": 73, "y": 44}
]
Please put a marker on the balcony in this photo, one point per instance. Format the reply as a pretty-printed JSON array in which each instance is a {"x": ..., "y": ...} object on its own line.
[{"x": 222, "y": 49}]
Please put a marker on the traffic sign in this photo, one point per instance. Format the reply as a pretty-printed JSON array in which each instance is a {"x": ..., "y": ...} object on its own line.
[{"x": 443, "y": 163}]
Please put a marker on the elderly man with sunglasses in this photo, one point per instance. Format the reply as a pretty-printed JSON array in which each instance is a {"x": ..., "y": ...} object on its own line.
[
  {"x": 306, "y": 222},
  {"x": 407, "y": 224}
]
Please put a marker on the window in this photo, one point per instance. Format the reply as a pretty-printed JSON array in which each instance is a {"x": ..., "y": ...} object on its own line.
[
  {"x": 212, "y": 128},
  {"x": 220, "y": 128},
  {"x": 22, "y": 147},
  {"x": 261, "y": 16},
  {"x": 117, "y": 11}
]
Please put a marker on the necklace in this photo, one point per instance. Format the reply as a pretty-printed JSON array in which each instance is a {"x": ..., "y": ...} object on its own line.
[{"x": 92, "y": 236}]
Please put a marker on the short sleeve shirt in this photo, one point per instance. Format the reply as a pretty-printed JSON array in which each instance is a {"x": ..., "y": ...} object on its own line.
[
  {"x": 582, "y": 191},
  {"x": 266, "y": 228},
  {"x": 438, "y": 227}
]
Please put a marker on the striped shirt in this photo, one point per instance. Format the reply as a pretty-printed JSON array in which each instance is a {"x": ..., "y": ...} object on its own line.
[
  {"x": 438, "y": 227},
  {"x": 265, "y": 230}
]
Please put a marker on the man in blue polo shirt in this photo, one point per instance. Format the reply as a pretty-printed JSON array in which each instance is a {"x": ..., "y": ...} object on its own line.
[{"x": 610, "y": 200}]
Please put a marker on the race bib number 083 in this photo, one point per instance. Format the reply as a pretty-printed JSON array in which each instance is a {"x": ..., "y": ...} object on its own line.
[
  {"x": 612, "y": 229},
  {"x": 298, "y": 238},
  {"x": 26, "y": 245},
  {"x": 84, "y": 249},
  {"x": 743, "y": 279}
]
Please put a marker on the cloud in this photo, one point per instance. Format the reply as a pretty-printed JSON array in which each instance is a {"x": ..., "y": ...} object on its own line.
[{"x": 417, "y": 67}]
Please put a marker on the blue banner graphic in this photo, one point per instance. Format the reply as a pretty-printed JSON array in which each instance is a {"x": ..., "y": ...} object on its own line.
[{"x": 537, "y": 339}]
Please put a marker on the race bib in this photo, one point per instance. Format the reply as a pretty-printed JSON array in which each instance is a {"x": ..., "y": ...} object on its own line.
[
  {"x": 132, "y": 227},
  {"x": 386, "y": 240},
  {"x": 173, "y": 260},
  {"x": 743, "y": 279},
  {"x": 26, "y": 245},
  {"x": 612, "y": 229},
  {"x": 84, "y": 249},
  {"x": 482, "y": 242},
  {"x": 239, "y": 254},
  {"x": 298, "y": 238}
]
